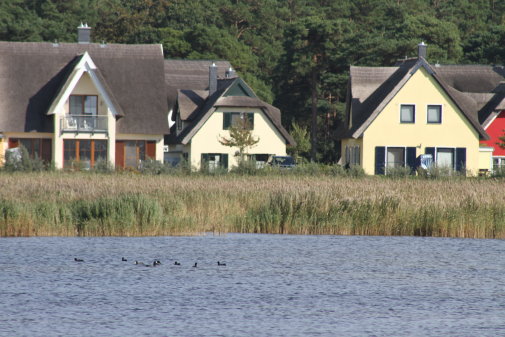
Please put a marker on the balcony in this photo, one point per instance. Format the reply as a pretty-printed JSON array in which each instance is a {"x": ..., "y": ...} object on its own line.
[{"x": 83, "y": 124}]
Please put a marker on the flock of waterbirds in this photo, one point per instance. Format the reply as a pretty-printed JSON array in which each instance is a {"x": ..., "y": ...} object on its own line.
[{"x": 154, "y": 264}]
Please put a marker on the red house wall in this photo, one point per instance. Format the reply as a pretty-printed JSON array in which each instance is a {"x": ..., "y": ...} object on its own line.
[{"x": 495, "y": 130}]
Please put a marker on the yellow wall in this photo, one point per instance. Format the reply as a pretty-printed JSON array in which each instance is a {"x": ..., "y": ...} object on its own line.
[
  {"x": 206, "y": 139},
  {"x": 422, "y": 90}
]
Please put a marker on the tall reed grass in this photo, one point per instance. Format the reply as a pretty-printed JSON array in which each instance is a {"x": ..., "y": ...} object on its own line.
[{"x": 129, "y": 204}]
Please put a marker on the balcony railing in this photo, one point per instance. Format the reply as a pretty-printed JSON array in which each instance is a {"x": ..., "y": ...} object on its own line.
[{"x": 84, "y": 124}]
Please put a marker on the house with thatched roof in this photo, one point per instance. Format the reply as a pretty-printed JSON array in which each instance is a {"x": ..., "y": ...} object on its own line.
[
  {"x": 396, "y": 116},
  {"x": 83, "y": 102},
  {"x": 207, "y": 98}
]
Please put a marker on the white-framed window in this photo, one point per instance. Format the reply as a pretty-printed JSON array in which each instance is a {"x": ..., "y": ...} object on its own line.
[
  {"x": 83, "y": 104},
  {"x": 498, "y": 163},
  {"x": 407, "y": 113},
  {"x": 352, "y": 155},
  {"x": 445, "y": 157},
  {"x": 434, "y": 114},
  {"x": 448, "y": 157},
  {"x": 395, "y": 157}
]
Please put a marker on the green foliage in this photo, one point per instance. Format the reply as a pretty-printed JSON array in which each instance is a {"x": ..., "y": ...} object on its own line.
[
  {"x": 294, "y": 54},
  {"x": 21, "y": 161},
  {"x": 241, "y": 137},
  {"x": 302, "y": 139}
]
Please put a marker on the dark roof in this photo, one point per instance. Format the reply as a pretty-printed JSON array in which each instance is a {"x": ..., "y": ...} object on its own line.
[
  {"x": 471, "y": 88},
  {"x": 196, "y": 107},
  {"x": 190, "y": 74},
  {"x": 32, "y": 73}
]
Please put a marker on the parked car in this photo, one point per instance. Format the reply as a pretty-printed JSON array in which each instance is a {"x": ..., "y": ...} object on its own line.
[{"x": 283, "y": 161}]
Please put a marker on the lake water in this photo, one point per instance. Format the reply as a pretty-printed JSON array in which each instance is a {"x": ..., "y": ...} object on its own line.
[{"x": 271, "y": 286}]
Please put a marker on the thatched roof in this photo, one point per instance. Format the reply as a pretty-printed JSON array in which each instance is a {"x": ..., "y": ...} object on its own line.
[
  {"x": 189, "y": 74},
  {"x": 474, "y": 89},
  {"x": 196, "y": 106},
  {"x": 32, "y": 73}
]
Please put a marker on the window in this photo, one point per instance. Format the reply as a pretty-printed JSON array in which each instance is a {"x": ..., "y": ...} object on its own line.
[
  {"x": 244, "y": 119},
  {"x": 84, "y": 151},
  {"x": 213, "y": 161},
  {"x": 445, "y": 157},
  {"x": 37, "y": 147},
  {"x": 395, "y": 157},
  {"x": 179, "y": 121},
  {"x": 453, "y": 158},
  {"x": 434, "y": 114},
  {"x": 135, "y": 152},
  {"x": 83, "y": 105},
  {"x": 131, "y": 153},
  {"x": 407, "y": 113}
]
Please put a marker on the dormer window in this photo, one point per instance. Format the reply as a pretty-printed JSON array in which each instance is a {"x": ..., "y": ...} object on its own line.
[
  {"x": 83, "y": 105},
  {"x": 408, "y": 113}
]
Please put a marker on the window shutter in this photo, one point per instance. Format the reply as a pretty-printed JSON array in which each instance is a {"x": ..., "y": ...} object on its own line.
[
  {"x": 226, "y": 120},
  {"x": 224, "y": 160},
  {"x": 250, "y": 119},
  {"x": 460, "y": 159},
  {"x": 380, "y": 163},
  {"x": 13, "y": 142},
  {"x": 411, "y": 158}
]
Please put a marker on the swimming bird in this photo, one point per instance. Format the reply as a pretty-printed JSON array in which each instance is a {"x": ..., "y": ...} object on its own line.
[
  {"x": 194, "y": 265},
  {"x": 156, "y": 263},
  {"x": 123, "y": 259},
  {"x": 177, "y": 263},
  {"x": 139, "y": 263},
  {"x": 221, "y": 264},
  {"x": 78, "y": 260}
]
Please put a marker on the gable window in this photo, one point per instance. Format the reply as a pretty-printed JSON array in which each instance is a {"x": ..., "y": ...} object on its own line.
[
  {"x": 434, "y": 114},
  {"x": 83, "y": 105},
  {"x": 244, "y": 119},
  {"x": 407, "y": 113}
]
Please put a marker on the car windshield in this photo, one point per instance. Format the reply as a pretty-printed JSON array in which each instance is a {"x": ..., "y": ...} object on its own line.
[{"x": 283, "y": 161}]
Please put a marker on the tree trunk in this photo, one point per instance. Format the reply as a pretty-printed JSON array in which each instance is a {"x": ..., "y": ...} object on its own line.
[{"x": 313, "y": 126}]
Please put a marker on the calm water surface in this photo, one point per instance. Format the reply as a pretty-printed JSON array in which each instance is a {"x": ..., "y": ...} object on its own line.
[{"x": 271, "y": 286}]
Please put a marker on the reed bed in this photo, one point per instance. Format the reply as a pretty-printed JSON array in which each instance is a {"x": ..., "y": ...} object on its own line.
[{"x": 86, "y": 204}]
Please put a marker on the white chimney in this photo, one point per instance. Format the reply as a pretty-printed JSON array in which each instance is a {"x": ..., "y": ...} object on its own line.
[{"x": 83, "y": 34}]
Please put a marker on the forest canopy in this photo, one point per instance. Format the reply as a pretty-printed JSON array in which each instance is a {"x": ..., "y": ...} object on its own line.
[{"x": 294, "y": 53}]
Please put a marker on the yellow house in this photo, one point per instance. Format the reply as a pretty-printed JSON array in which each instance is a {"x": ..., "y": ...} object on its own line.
[
  {"x": 396, "y": 114},
  {"x": 204, "y": 113},
  {"x": 78, "y": 103}
]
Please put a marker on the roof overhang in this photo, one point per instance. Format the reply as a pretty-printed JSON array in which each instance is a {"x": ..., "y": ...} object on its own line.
[{"x": 84, "y": 65}]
